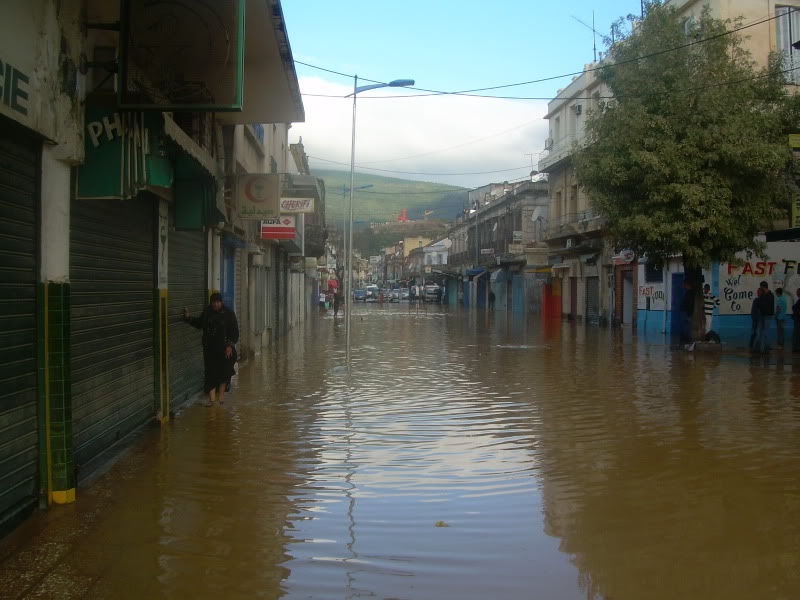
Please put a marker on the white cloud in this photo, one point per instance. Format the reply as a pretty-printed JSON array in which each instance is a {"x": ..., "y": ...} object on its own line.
[{"x": 396, "y": 128}]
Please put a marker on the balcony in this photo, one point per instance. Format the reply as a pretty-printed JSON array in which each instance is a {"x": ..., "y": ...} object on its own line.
[
  {"x": 580, "y": 223},
  {"x": 559, "y": 151}
]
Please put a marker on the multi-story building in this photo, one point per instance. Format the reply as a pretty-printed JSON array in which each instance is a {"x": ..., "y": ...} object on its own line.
[
  {"x": 495, "y": 240},
  {"x": 128, "y": 214},
  {"x": 581, "y": 258},
  {"x": 594, "y": 280}
]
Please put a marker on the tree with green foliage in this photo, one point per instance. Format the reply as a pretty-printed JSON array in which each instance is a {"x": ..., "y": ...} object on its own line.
[{"x": 690, "y": 158}]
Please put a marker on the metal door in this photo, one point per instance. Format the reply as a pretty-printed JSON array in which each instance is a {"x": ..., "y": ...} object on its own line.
[
  {"x": 186, "y": 256},
  {"x": 19, "y": 176},
  {"x": 573, "y": 297},
  {"x": 676, "y": 318},
  {"x": 228, "y": 276},
  {"x": 627, "y": 297},
  {"x": 593, "y": 299},
  {"x": 112, "y": 270}
]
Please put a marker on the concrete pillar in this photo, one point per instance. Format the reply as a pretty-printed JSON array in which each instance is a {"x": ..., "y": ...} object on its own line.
[
  {"x": 55, "y": 391},
  {"x": 214, "y": 255}
]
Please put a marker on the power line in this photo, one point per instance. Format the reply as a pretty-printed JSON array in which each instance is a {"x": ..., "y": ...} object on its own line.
[
  {"x": 471, "y": 92},
  {"x": 475, "y": 141},
  {"x": 420, "y": 172},
  {"x": 553, "y": 98}
]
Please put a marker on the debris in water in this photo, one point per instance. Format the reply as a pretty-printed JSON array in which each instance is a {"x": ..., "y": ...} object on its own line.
[{"x": 441, "y": 524}]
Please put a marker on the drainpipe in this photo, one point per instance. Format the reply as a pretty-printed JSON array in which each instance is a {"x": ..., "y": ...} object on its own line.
[{"x": 666, "y": 288}]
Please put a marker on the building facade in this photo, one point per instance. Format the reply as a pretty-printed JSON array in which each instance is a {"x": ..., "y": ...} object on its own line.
[{"x": 118, "y": 210}]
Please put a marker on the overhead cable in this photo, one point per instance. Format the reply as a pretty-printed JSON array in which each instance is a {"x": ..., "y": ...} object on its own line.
[{"x": 550, "y": 78}]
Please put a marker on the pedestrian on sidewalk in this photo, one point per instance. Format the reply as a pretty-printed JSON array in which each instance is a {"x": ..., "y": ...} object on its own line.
[
  {"x": 491, "y": 300},
  {"x": 755, "y": 318},
  {"x": 687, "y": 309},
  {"x": 781, "y": 310},
  {"x": 767, "y": 316},
  {"x": 337, "y": 303},
  {"x": 709, "y": 302},
  {"x": 220, "y": 335},
  {"x": 796, "y": 319}
]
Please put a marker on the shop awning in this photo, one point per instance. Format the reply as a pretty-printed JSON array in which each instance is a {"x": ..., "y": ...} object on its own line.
[
  {"x": 199, "y": 198},
  {"x": 271, "y": 89},
  {"x": 498, "y": 276},
  {"x": 190, "y": 147},
  {"x": 473, "y": 272}
]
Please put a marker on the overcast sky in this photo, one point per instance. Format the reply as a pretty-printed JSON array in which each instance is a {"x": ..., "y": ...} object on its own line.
[{"x": 444, "y": 45}]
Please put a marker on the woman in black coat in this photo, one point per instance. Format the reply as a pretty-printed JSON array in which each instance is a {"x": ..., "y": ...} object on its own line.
[{"x": 220, "y": 335}]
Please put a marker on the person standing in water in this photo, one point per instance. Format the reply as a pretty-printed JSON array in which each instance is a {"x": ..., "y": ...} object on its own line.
[{"x": 220, "y": 335}]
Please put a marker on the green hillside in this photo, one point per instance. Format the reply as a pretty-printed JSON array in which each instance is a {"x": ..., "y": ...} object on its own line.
[{"x": 388, "y": 196}]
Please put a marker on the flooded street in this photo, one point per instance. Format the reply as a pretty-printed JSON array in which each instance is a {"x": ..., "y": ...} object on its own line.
[{"x": 455, "y": 461}]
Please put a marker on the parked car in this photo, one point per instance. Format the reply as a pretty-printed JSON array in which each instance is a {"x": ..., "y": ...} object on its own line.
[
  {"x": 404, "y": 294},
  {"x": 432, "y": 293},
  {"x": 360, "y": 295},
  {"x": 372, "y": 293},
  {"x": 395, "y": 295}
]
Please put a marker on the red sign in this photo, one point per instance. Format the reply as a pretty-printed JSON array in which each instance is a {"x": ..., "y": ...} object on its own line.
[{"x": 282, "y": 228}]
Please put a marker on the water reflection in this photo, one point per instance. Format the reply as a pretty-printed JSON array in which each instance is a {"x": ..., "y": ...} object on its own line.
[{"x": 568, "y": 462}]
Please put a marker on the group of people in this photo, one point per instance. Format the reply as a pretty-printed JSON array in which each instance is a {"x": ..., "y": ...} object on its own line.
[
  {"x": 330, "y": 299},
  {"x": 768, "y": 307}
]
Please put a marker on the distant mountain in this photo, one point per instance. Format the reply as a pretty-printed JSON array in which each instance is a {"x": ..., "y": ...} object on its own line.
[{"x": 387, "y": 197}]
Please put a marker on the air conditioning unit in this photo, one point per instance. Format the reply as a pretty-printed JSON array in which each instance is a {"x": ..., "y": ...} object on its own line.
[
  {"x": 548, "y": 144},
  {"x": 689, "y": 26},
  {"x": 570, "y": 243},
  {"x": 578, "y": 108}
]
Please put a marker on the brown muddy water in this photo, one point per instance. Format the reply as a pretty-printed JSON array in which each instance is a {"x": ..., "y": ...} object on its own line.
[{"x": 463, "y": 457}]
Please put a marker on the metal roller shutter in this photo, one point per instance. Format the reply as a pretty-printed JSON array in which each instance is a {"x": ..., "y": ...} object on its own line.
[
  {"x": 239, "y": 293},
  {"x": 19, "y": 167},
  {"x": 593, "y": 299},
  {"x": 186, "y": 256},
  {"x": 112, "y": 264}
]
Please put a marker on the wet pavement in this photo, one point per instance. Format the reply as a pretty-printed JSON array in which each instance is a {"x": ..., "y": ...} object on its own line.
[{"x": 463, "y": 457}]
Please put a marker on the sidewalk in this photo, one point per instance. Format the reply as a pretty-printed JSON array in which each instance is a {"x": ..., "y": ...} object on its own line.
[{"x": 159, "y": 523}]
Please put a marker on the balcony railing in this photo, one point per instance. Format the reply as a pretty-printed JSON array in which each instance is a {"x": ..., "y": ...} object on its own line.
[
  {"x": 560, "y": 149},
  {"x": 580, "y": 222}
]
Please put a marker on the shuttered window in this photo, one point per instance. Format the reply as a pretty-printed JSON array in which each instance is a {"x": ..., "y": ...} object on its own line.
[
  {"x": 112, "y": 265},
  {"x": 187, "y": 257},
  {"x": 788, "y": 32},
  {"x": 19, "y": 160}
]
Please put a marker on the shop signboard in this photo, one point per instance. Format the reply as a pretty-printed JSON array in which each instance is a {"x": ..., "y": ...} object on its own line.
[
  {"x": 517, "y": 237},
  {"x": 280, "y": 228},
  {"x": 516, "y": 248},
  {"x": 296, "y": 205},
  {"x": 119, "y": 157},
  {"x": 486, "y": 251},
  {"x": 182, "y": 55},
  {"x": 738, "y": 283},
  {"x": 19, "y": 87},
  {"x": 258, "y": 195},
  {"x": 794, "y": 144}
]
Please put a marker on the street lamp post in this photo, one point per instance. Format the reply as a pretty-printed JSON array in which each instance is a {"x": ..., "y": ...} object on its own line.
[{"x": 349, "y": 273}]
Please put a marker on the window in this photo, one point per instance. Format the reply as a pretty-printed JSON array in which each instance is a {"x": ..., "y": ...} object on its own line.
[
  {"x": 653, "y": 272},
  {"x": 573, "y": 200},
  {"x": 557, "y": 205},
  {"x": 788, "y": 32}
]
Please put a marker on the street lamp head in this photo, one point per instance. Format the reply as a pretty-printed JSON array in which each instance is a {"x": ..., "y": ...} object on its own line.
[{"x": 401, "y": 83}]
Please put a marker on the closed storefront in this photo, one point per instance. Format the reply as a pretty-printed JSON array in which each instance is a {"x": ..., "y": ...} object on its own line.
[
  {"x": 112, "y": 265},
  {"x": 187, "y": 257},
  {"x": 593, "y": 299},
  {"x": 19, "y": 184}
]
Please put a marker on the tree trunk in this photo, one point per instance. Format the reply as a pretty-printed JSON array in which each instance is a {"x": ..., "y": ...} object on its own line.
[{"x": 697, "y": 330}]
